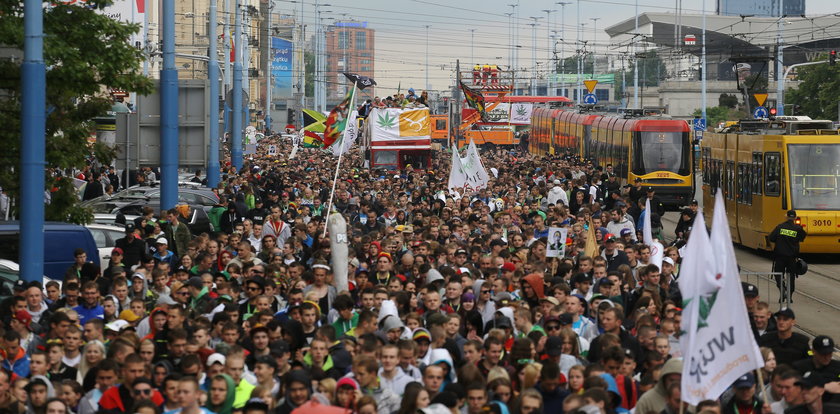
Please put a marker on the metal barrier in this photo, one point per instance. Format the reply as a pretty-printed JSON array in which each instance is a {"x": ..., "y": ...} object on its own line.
[{"x": 767, "y": 289}]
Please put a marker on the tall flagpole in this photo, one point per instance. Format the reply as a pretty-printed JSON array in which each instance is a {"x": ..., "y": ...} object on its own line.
[{"x": 340, "y": 154}]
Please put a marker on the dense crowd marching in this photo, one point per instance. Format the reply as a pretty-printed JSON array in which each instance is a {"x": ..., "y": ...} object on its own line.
[{"x": 452, "y": 305}]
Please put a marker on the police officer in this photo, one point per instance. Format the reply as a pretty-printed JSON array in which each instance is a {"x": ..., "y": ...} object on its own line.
[{"x": 787, "y": 237}]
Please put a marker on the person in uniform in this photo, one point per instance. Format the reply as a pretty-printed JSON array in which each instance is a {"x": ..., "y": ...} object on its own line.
[
  {"x": 494, "y": 75},
  {"x": 477, "y": 74},
  {"x": 786, "y": 237},
  {"x": 787, "y": 345},
  {"x": 820, "y": 361},
  {"x": 486, "y": 73}
]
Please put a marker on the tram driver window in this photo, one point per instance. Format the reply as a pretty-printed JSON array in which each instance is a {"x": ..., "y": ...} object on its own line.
[{"x": 772, "y": 174}]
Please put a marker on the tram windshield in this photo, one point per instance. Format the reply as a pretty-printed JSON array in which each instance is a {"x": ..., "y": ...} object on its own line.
[
  {"x": 814, "y": 176},
  {"x": 662, "y": 151}
]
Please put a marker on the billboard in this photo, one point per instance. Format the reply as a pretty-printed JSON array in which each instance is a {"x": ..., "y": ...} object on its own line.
[
  {"x": 281, "y": 68},
  {"x": 126, "y": 11}
]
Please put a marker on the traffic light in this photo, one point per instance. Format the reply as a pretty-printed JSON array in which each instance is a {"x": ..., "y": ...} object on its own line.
[
  {"x": 772, "y": 113},
  {"x": 832, "y": 58}
]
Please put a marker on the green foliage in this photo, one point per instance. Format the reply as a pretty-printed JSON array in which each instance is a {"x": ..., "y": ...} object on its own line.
[
  {"x": 309, "y": 62},
  {"x": 651, "y": 69},
  {"x": 728, "y": 101},
  {"x": 818, "y": 91},
  {"x": 718, "y": 114},
  {"x": 756, "y": 83},
  {"x": 85, "y": 53}
]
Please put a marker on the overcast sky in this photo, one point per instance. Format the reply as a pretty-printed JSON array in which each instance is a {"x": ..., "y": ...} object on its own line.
[{"x": 401, "y": 33}]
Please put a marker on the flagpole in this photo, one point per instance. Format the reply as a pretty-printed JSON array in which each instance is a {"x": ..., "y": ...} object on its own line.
[
  {"x": 340, "y": 154},
  {"x": 760, "y": 377}
]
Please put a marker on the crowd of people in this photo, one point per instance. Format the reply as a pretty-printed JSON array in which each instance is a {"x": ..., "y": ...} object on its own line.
[
  {"x": 397, "y": 100},
  {"x": 451, "y": 307}
]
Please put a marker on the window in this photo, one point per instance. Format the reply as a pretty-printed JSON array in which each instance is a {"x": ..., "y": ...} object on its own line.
[
  {"x": 772, "y": 174},
  {"x": 361, "y": 40},
  {"x": 730, "y": 180},
  {"x": 343, "y": 39},
  {"x": 440, "y": 125},
  {"x": 365, "y": 61},
  {"x": 814, "y": 176},
  {"x": 745, "y": 182},
  {"x": 756, "y": 165},
  {"x": 707, "y": 174},
  {"x": 602, "y": 94}
]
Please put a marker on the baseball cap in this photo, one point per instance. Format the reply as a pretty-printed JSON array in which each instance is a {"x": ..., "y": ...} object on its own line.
[
  {"x": 609, "y": 237},
  {"x": 668, "y": 260},
  {"x": 162, "y": 240},
  {"x": 791, "y": 213},
  {"x": 116, "y": 325},
  {"x": 650, "y": 189},
  {"x": 749, "y": 289},
  {"x": 744, "y": 381},
  {"x": 497, "y": 242},
  {"x": 812, "y": 379},
  {"x": 347, "y": 382},
  {"x": 551, "y": 299},
  {"x": 195, "y": 282},
  {"x": 460, "y": 252},
  {"x": 118, "y": 251},
  {"x": 502, "y": 322},
  {"x": 625, "y": 232},
  {"x": 23, "y": 317},
  {"x": 129, "y": 227},
  {"x": 502, "y": 297},
  {"x": 20, "y": 285},
  {"x": 786, "y": 313},
  {"x": 553, "y": 345},
  {"x": 509, "y": 267},
  {"x": 138, "y": 275},
  {"x": 128, "y": 315},
  {"x": 566, "y": 318},
  {"x": 694, "y": 202},
  {"x": 216, "y": 358},
  {"x": 823, "y": 344},
  {"x": 557, "y": 182},
  {"x": 37, "y": 380}
]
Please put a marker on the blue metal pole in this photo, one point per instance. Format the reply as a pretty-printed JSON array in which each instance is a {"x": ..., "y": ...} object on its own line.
[
  {"x": 213, "y": 76},
  {"x": 236, "y": 113},
  {"x": 168, "y": 111},
  {"x": 33, "y": 143}
]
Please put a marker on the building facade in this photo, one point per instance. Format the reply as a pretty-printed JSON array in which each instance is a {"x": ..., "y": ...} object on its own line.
[
  {"x": 760, "y": 8},
  {"x": 350, "y": 48}
]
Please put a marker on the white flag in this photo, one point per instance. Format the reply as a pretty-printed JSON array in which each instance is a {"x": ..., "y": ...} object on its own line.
[
  {"x": 717, "y": 342},
  {"x": 477, "y": 176},
  {"x": 457, "y": 178},
  {"x": 348, "y": 138},
  {"x": 657, "y": 251}
]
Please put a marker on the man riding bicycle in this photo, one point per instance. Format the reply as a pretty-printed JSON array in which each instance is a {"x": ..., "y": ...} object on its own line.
[{"x": 787, "y": 237}]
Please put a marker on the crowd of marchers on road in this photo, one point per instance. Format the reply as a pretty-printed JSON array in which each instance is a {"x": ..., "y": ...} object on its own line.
[{"x": 453, "y": 302}]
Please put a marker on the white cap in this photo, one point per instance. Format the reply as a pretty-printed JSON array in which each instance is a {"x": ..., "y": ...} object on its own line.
[
  {"x": 216, "y": 358},
  {"x": 668, "y": 260},
  {"x": 140, "y": 275},
  {"x": 557, "y": 182},
  {"x": 116, "y": 325},
  {"x": 162, "y": 240}
]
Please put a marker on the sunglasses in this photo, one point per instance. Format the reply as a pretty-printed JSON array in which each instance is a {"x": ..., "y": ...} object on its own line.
[
  {"x": 553, "y": 327},
  {"x": 184, "y": 293},
  {"x": 147, "y": 391},
  {"x": 253, "y": 289}
]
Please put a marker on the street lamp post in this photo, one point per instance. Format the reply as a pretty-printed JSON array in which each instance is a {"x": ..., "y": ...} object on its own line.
[
  {"x": 594, "y": 41},
  {"x": 549, "y": 50},
  {"x": 427, "y": 57},
  {"x": 472, "y": 46},
  {"x": 563, "y": 41},
  {"x": 534, "y": 55}
]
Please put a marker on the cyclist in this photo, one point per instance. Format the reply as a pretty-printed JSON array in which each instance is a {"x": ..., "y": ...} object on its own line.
[{"x": 787, "y": 237}]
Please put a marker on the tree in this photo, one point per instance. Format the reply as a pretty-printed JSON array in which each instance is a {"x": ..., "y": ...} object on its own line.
[
  {"x": 651, "y": 69},
  {"x": 728, "y": 101},
  {"x": 716, "y": 115},
  {"x": 86, "y": 53},
  {"x": 309, "y": 61},
  {"x": 818, "y": 91}
]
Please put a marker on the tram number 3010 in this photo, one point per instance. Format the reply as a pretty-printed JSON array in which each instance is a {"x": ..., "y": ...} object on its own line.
[{"x": 822, "y": 223}]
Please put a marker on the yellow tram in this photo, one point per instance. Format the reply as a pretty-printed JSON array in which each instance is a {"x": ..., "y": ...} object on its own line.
[{"x": 766, "y": 167}]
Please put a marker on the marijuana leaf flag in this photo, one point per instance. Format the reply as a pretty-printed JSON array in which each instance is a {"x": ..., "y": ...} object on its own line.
[
  {"x": 474, "y": 99},
  {"x": 717, "y": 343},
  {"x": 337, "y": 119},
  {"x": 360, "y": 81}
]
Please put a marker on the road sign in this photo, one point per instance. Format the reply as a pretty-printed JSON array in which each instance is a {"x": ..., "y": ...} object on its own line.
[
  {"x": 590, "y": 99},
  {"x": 760, "y": 98},
  {"x": 698, "y": 134},
  {"x": 590, "y": 85},
  {"x": 760, "y": 112},
  {"x": 699, "y": 124}
]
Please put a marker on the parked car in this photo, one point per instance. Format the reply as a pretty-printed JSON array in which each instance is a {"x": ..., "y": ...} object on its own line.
[
  {"x": 105, "y": 237},
  {"x": 191, "y": 196},
  {"x": 60, "y": 241},
  {"x": 9, "y": 274}
]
